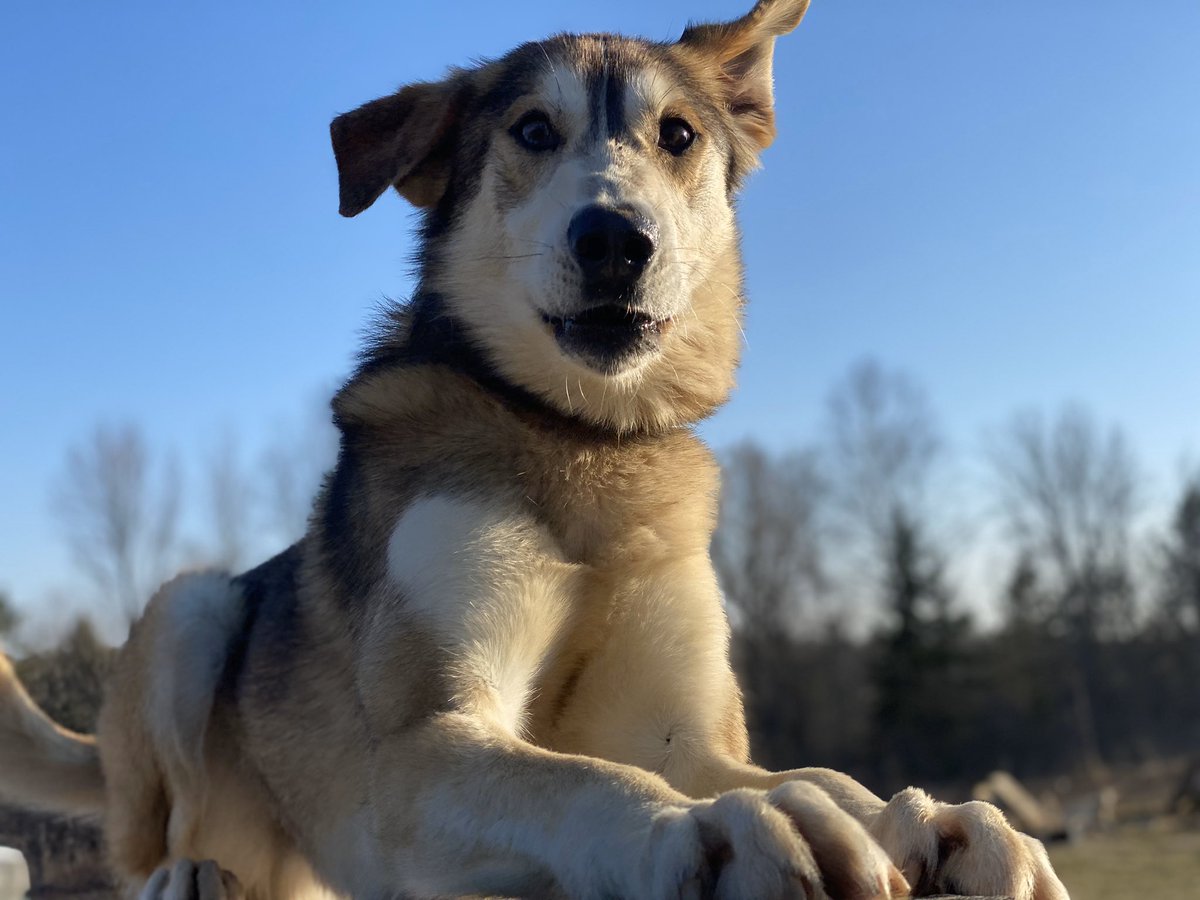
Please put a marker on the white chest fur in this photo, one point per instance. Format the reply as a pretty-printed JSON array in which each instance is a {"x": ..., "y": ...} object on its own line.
[{"x": 493, "y": 587}]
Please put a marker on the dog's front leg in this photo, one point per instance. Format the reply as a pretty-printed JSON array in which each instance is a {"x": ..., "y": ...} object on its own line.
[
  {"x": 459, "y": 806},
  {"x": 663, "y": 696},
  {"x": 456, "y": 802}
]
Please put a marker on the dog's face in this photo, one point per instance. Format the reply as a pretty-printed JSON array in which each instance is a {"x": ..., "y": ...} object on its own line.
[
  {"x": 581, "y": 222},
  {"x": 602, "y": 194}
]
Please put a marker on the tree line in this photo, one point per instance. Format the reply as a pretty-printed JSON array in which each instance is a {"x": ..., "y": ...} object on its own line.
[
  {"x": 1075, "y": 647},
  {"x": 863, "y": 639}
]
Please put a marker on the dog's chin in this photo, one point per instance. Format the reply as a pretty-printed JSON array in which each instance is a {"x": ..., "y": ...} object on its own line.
[{"x": 611, "y": 338}]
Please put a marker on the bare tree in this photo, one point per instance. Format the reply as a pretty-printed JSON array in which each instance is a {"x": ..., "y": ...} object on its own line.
[
  {"x": 231, "y": 503},
  {"x": 119, "y": 514},
  {"x": 797, "y": 671},
  {"x": 1068, "y": 491},
  {"x": 767, "y": 549},
  {"x": 884, "y": 451},
  {"x": 292, "y": 467},
  {"x": 883, "y": 443}
]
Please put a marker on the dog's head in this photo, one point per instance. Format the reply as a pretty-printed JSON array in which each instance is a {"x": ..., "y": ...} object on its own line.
[{"x": 579, "y": 195}]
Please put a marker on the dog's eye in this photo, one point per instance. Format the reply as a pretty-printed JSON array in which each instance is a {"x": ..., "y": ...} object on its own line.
[
  {"x": 675, "y": 135},
  {"x": 533, "y": 131}
]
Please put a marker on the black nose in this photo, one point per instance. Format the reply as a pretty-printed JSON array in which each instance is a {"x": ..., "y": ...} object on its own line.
[{"x": 612, "y": 248}]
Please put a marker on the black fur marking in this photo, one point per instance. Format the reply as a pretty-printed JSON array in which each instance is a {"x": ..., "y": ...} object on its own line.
[
  {"x": 268, "y": 588},
  {"x": 436, "y": 337},
  {"x": 341, "y": 550},
  {"x": 733, "y": 178},
  {"x": 614, "y": 105},
  {"x": 606, "y": 98},
  {"x": 596, "y": 84}
]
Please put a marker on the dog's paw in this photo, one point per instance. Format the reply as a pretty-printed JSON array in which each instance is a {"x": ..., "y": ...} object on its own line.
[
  {"x": 188, "y": 880},
  {"x": 791, "y": 843},
  {"x": 964, "y": 849}
]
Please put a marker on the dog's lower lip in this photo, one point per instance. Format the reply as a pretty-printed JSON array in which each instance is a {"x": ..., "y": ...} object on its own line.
[
  {"x": 607, "y": 337},
  {"x": 607, "y": 317}
]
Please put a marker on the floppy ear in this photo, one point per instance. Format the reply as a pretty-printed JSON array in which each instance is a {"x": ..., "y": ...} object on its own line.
[
  {"x": 742, "y": 51},
  {"x": 398, "y": 140}
]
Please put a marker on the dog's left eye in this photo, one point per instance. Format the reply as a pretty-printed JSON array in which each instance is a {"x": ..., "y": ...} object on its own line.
[
  {"x": 533, "y": 131},
  {"x": 675, "y": 135}
]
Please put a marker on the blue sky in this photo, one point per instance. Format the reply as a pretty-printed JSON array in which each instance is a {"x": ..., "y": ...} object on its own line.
[{"x": 1001, "y": 199}]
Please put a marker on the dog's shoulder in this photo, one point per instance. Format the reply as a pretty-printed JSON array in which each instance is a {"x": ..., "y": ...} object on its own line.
[{"x": 270, "y": 598}]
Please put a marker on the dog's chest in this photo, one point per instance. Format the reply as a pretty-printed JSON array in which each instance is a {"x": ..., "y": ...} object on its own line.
[{"x": 523, "y": 582}]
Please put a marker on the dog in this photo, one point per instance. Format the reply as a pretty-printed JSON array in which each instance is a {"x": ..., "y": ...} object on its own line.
[{"x": 498, "y": 662}]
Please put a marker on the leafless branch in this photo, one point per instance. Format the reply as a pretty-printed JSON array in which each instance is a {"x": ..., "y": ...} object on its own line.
[{"x": 119, "y": 516}]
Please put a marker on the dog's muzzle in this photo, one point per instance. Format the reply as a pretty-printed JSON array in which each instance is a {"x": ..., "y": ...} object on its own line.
[{"x": 612, "y": 249}]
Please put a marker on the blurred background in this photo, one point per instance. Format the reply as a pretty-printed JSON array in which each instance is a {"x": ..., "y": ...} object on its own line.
[{"x": 960, "y": 538}]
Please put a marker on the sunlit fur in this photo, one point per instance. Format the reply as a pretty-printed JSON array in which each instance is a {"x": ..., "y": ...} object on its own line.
[{"x": 498, "y": 663}]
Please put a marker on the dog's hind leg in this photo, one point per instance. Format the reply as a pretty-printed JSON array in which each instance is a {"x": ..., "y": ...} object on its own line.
[
  {"x": 188, "y": 880},
  {"x": 153, "y": 727},
  {"x": 138, "y": 809}
]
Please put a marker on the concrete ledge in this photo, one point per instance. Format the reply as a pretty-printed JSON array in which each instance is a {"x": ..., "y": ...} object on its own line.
[{"x": 66, "y": 857}]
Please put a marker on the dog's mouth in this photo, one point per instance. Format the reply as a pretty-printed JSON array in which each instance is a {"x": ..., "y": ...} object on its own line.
[
  {"x": 607, "y": 337},
  {"x": 608, "y": 320}
]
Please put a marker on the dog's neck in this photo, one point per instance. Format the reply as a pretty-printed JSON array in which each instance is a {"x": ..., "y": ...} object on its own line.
[
  {"x": 690, "y": 379},
  {"x": 437, "y": 337},
  {"x": 423, "y": 332}
]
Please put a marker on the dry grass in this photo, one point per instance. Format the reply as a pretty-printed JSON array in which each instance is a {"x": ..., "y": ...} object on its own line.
[{"x": 1155, "y": 863}]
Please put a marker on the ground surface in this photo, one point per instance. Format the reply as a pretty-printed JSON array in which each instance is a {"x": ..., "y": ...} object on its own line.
[
  {"x": 1157, "y": 862},
  {"x": 1130, "y": 864}
]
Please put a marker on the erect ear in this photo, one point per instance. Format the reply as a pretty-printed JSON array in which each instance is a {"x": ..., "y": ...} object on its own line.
[
  {"x": 742, "y": 51},
  {"x": 402, "y": 140}
]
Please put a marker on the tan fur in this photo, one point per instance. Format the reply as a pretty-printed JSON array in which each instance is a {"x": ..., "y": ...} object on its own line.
[{"x": 499, "y": 660}]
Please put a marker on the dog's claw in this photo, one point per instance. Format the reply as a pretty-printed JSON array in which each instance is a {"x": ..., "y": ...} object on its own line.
[{"x": 189, "y": 880}]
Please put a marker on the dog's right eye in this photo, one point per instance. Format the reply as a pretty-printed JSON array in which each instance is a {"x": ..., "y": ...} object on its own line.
[{"x": 533, "y": 131}]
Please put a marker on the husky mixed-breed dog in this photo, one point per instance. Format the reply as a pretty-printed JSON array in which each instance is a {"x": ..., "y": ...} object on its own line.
[{"x": 498, "y": 662}]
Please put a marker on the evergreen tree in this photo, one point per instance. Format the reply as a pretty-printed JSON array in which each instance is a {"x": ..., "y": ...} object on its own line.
[
  {"x": 1179, "y": 598},
  {"x": 922, "y": 675},
  {"x": 9, "y": 617}
]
